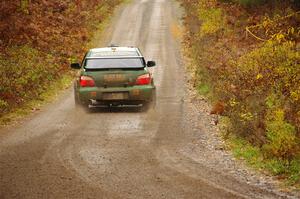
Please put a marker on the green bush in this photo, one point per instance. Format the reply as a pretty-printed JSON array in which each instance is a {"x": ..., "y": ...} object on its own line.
[
  {"x": 3, "y": 105},
  {"x": 275, "y": 166},
  {"x": 271, "y": 70},
  {"x": 294, "y": 171},
  {"x": 282, "y": 142},
  {"x": 25, "y": 73}
]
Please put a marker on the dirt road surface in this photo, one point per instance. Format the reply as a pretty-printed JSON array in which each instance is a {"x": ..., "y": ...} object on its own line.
[{"x": 121, "y": 153}]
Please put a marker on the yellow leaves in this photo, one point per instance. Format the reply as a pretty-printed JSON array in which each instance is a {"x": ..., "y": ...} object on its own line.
[
  {"x": 282, "y": 140},
  {"x": 24, "y": 4},
  {"x": 291, "y": 30},
  {"x": 295, "y": 96},
  {"x": 3, "y": 104},
  {"x": 275, "y": 28},
  {"x": 233, "y": 102},
  {"x": 212, "y": 20},
  {"x": 248, "y": 116},
  {"x": 279, "y": 115},
  {"x": 259, "y": 76},
  {"x": 267, "y": 21},
  {"x": 279, "y": 37}
]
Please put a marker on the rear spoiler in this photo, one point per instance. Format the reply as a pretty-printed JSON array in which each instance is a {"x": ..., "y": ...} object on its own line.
[
  {"x": 114, "y": 57},
  {"x": 112, "y": 69}
]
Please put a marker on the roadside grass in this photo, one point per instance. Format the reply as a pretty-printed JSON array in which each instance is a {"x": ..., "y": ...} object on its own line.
[
  {"x": 34, "y": 105},
  {"x": 254, "y": 157},
  {"x": 203, "y": 89},
  {"x": 241, "y": 149}
]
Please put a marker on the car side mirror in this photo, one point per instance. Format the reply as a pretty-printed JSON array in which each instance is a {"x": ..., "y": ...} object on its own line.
[
  {"x": 75, "y": 66},
  {"x": 151, "y": 63}
]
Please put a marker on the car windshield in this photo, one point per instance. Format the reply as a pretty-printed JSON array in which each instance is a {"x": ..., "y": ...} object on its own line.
[{"x": 104, "y": 63}]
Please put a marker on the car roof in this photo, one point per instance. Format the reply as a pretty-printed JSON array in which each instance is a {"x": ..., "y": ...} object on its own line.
[{"x": 114, "y": 52}]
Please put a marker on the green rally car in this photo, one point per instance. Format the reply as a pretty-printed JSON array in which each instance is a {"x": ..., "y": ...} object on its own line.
[{"x": 114, "y": 76}]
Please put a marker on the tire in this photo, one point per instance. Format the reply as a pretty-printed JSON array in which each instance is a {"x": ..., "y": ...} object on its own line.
[
  {"x": 147, "y": 106},
  {"x": 153, "y": 106},
  {"x": 79, "y": 105},
  {"x": 77, "y": 102}
]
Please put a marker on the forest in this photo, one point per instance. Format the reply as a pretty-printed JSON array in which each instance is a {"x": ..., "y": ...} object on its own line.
[
  {"x": 245, "y": 57},
  {"x": 37, "y": 41}
]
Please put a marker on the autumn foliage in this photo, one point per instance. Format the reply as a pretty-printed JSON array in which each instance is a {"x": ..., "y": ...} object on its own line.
[
  {"x": 249, "y": 58},
  {"x": 54, "y": 24},
  {"x": 37, "y": 40}
]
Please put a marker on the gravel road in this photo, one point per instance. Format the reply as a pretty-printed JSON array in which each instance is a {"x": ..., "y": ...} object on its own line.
[{"x": 169, "y": 152}]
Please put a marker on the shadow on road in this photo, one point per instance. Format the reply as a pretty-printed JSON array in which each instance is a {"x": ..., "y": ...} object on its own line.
[{"x": 95, "y": 110}]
